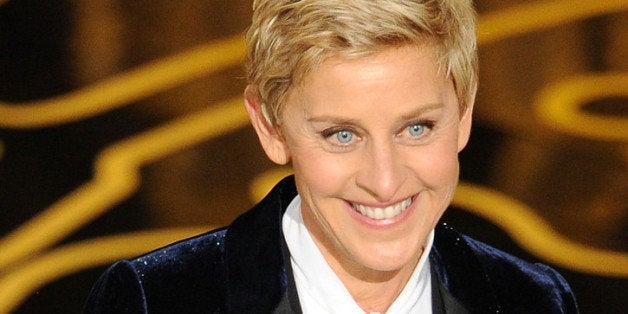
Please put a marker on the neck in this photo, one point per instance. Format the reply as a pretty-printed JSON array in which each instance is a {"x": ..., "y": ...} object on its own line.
[{"x": 376, "y": 296}]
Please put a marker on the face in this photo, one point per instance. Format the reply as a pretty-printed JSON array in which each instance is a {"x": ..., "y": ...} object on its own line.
[{"x": 373, "y": 142}]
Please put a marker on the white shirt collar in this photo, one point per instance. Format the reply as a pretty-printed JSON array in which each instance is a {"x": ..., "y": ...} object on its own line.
[{"x": 321, "y": 291}]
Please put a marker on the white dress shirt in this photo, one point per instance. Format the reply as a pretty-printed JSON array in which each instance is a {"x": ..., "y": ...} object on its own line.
[{"x": 321, "y": 291}]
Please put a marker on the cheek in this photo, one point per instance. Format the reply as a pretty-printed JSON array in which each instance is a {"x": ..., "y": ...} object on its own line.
[
  {"x": 437, "y": 166},
  {"x": 322, "y": 173}
]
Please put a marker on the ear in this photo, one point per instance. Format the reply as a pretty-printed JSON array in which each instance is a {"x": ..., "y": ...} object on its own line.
[
  {"x": 269, "y": 134},
  {"x": 464, "y": 126}
]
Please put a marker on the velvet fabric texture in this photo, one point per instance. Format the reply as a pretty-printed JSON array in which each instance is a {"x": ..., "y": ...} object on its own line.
[{"x": 244, "y": 268}]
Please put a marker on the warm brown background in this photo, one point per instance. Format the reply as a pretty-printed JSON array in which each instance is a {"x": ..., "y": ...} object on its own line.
[{"x": 51, "y": 47}]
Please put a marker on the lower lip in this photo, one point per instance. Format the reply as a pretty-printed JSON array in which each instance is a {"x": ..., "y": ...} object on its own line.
[{"x": 383, "y": 223}]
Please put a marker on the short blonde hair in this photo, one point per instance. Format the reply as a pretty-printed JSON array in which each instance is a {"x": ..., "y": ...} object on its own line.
[{"x": 289, "y": 38}]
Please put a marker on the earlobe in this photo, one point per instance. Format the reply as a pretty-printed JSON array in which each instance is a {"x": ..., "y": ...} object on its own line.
[{"x": 269, "y": 135}]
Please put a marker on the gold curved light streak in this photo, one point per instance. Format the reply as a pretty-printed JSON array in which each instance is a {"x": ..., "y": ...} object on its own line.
[
  {"x": 559, "y": 106},
  {"x": 71, "y": 258},
  {"x": 126, "y": 87},
  {"x": 263, "y": 183},
  {"x": 535, "y": 235},
  {"x": 537, "y": 15},
  {"x": 527, "y": 229},
  {"x": 117, "y": 177}
]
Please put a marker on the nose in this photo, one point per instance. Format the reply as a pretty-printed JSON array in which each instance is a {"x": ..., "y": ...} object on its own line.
[{"x": 382, "y": 172}]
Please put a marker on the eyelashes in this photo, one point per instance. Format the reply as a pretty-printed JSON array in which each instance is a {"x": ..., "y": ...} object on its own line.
[{"x": 331, "y": 131}]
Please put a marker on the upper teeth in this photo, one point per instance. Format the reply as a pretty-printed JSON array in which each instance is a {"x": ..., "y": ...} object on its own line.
[{"x": 383, "y": 213}]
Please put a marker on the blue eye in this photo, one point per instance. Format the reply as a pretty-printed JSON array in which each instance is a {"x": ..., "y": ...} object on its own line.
[
  {"x": 416, "y": 129},
  {"x": 344, "y": 136}
]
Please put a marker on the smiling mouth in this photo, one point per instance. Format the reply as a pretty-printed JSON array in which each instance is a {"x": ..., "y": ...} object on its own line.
[{"x": 381, "y": 213}]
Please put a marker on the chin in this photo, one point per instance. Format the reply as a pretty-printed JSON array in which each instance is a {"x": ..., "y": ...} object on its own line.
[{"x": 390, "y": 262}]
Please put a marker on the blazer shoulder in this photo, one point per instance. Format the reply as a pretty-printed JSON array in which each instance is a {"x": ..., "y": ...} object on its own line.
[
  {"x": 187, "y": 275},
  {"x": 517, "y": 285},
  {"x": 118, "y": 290},
  {"x": 521, "y": 284}
]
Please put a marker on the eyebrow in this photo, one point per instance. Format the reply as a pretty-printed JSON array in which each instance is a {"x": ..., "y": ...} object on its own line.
[
  {"x": 422, "y": 110},
  {"x": 407, "y": 116}
]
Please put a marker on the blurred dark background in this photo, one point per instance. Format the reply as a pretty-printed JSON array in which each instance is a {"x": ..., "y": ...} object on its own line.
[{"x": 49, "y": 48}]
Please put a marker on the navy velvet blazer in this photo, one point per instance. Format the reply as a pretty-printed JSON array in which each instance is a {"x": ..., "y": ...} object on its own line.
[{"x": 244, "y": 268}]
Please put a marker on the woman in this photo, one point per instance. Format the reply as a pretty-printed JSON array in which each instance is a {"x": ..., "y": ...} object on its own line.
[{"x": 371, "y": 102}]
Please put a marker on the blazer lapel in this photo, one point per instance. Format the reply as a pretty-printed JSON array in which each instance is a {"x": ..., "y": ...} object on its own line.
[
  {"x": 461, "y": 282},
  {"x": 255, "y": 262},
  {"x": 442, "y": 301}
]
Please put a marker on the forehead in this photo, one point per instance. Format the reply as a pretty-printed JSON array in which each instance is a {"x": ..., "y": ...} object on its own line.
[
  {"x": 410, "y": 70},
  {"x": 311, "y": 62}
]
